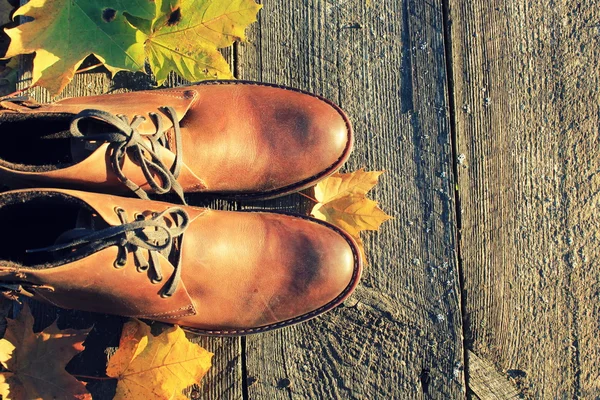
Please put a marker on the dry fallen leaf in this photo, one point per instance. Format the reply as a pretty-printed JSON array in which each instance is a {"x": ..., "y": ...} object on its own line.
[
  {"x": 36, "y": 361},
  {"x": 173, "y": 35},
  {"x": 342, "y": 201},
  {"x": 340, "y": 185},
  {"x": 8, "y": 73},
  {"x": 352, "y": 213},
  {"x": 185, "y": 36},
  {"x": 64, "y": 32},
  {"x": 156, "y": 367}
]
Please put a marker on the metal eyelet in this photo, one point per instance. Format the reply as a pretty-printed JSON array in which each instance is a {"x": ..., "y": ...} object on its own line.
[
  {"x": 165, "y": 296},
  {"x": 156, "y": 280},
  {"x": 142, "y": 269},
  {"x": 118, "y": 265},
  {"x": 138, "y": 217},
  {"x": 119, "y": 210}
]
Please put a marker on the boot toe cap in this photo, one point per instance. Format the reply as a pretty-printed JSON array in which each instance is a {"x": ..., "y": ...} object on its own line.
[
  {"x": 320, "y": 141},
  {"x": 267, "y": 271},
  {"x": 324, "y": 270}
]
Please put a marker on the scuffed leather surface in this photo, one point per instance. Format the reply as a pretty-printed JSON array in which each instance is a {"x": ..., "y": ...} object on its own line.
[
  {"x": 242, "y": 272},
  {"x": 129, "y": 104},
  {"x": 264, "y": 268},
  {"x": 258, "y": 138},
  {"x": 238, "y": 138}
]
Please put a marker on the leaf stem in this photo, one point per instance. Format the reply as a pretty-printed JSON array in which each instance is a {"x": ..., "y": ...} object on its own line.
[
  {"x": 91, "y": 67},
  {"x": 13, "y": 94},
  {"x": 308, "y": 197},
  {"x": 95, "y": 378}
]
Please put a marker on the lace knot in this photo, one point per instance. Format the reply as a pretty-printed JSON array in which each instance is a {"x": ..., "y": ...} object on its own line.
[
  {"x": 155, "y": 234},
  {"x": 143, "y": 149}
]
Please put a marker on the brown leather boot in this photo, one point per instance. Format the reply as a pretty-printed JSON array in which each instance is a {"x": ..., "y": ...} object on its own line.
[
  {"x": 241, "y": 139},
  {"x": 212, "y": 272}
]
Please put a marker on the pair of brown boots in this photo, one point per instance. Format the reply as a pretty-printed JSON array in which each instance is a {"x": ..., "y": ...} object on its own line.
[{"x": 212, "y": 272}]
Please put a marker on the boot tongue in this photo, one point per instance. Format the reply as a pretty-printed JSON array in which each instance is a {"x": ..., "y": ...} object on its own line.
[
  {"x": 82, "y": 149},
  {"x": 87, "y": 222}
]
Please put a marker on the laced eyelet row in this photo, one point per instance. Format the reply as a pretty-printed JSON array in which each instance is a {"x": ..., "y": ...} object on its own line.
[
  {"x": 144, "y": 149},
  {"x": 153, "y": 234}
]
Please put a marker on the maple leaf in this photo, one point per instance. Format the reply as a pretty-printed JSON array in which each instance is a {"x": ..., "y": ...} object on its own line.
[
  {"x": 341, "y": 200},
  {"x": 339, "y": 185},
  {"x": 36, "y": 361},
  {"x": 185, "y": 36},
  {"x": 156, "y": 367},
  {"x": 175, "y": 35},
  {"x": 8, "y": 71},
  {"x": 64, "y": 32},
  {"x": 352, "y": 213}
]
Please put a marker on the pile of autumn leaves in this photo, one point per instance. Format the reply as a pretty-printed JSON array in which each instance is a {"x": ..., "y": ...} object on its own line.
[
  {"x": 148, "y": 366},
  {"x": 170, "y": 35},
  {"x": 145, "y": 366}
]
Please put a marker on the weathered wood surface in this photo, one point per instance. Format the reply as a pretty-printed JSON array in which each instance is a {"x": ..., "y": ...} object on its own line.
[
  {"x": 526, "y": 90},
  {"x": 400, "y": 335},
  {"x": 487, "y": 383}
]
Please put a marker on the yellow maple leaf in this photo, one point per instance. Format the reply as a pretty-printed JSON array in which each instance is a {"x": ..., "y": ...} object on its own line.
[
  {"x": 36, "y": 361},
  {"x": 186, "y": 34},
  {"x": 64, "y": 32},
  {"x": 341, "y": 200},
  {"x": 339, "y": 185},
  {"x": 352, "y": 213},
  {"x": 173, "y": 35},
  {"x": 156, "y": 367}
]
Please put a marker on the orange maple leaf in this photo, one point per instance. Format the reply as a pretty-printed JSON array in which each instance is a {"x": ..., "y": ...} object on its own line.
[
  {"x": 36, "y": 361},
  {"x": 156, "y": 367},
  {"x": 341, "y": 200}
]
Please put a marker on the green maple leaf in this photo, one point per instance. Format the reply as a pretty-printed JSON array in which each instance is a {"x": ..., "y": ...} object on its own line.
[
  {"x": 185, "y": 36},
  {"x": 64, "y": 32},
  {"x": 174, "y": 35}
]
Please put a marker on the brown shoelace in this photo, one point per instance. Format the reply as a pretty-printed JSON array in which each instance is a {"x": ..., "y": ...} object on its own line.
[
  {"x": 144, "y": 149},
  {"x": 151, "y": 233}
]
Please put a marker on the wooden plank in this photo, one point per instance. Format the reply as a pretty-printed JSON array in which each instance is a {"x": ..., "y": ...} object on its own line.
[
  {"x": 487, "y": 383},
  {"x": 526, "y": 89},
  {"x": 400, "y": 335},
  {"x": 224, "y": 380}
]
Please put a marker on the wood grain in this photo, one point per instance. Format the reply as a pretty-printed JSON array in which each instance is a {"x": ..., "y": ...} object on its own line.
[
  {"x": 526, "y": 90},
  {"x": 487, "y": 383},
  {"x": 400, "y": 336}
]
